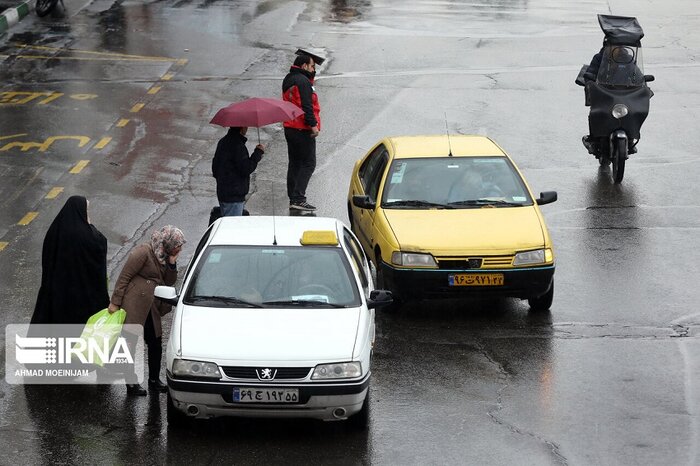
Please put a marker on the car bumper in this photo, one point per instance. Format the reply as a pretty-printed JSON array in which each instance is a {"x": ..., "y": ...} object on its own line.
[
  {"x": 426, "y": 283},
  {"x": 324, "y": 401}
]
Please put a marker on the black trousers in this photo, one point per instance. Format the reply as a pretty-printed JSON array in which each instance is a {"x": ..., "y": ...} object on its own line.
[
  {"x": 301, "y": 148},
  {"x": 154, "y": 347}
]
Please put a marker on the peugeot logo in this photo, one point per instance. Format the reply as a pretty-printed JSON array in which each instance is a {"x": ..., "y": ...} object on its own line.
[
  {"x": 474, "y": 263},
  {"x": 266, "y": 374}
]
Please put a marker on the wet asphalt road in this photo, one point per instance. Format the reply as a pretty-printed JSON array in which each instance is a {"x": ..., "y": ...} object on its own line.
[{"x": 610, "y": 376}]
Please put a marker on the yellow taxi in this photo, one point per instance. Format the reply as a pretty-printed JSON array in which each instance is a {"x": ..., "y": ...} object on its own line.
[{"x": 443, "y": 216}]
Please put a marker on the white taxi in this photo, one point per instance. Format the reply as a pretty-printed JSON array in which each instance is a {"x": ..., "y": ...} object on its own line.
[{"x": 275, "y": 319}]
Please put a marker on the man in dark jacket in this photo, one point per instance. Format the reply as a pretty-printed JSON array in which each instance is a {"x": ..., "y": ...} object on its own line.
[
  {"x": 232, "y": 166},
  {"x": 301, "y": 132}
]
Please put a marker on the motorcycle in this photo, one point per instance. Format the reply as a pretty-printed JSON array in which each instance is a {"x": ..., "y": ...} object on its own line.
[{"x": 617, "y": 94}]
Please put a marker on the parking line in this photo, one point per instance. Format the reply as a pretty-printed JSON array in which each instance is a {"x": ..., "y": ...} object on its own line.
[
  {"x": 27, "y": 219},
  {"x": 79, "y": 166},
  {"x": 103, "y": 142},
  {"x": 123, "y": 122},
  {"x": 181, "y": 62},
  {"x": 154, "y": 90},
  {"x": 3, "y": 245},
  {"x": 136, "y": 108},
  {"x": 167, "y": 76},
  {"x": 53, "y": 194}
]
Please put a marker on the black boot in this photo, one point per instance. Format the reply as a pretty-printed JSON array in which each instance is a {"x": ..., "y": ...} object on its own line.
[
  {"x": 135, "y": 390},
  {"x": 157, "y": 386}
]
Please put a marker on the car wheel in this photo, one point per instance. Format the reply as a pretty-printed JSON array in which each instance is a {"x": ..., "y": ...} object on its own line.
[
  {"x": 176, "y": 418},
  {"x": 360, "y": 420},
  {"x": 542, "y": 303}
]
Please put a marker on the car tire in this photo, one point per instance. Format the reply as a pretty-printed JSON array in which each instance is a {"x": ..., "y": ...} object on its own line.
[
  {"x": 544, "y": 302},
  {"x": 360, "y": 420},
  {"x": 176, "y": 418}
]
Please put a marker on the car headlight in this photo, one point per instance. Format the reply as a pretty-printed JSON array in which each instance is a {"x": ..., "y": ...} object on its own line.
[
  {"x": 619, "y": 111},
  {"x": 539, "y": 256},
  {"x": 413, "y": 259},
  {"x": 341, "y": 370},
  {"x": 186, "y": 368}
]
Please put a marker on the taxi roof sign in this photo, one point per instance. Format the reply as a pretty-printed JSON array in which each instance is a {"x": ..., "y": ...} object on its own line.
[{"x": 319, "y": 237}]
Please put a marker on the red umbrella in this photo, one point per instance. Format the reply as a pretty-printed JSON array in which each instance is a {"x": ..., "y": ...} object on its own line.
[{"x": 256, "y": 112}]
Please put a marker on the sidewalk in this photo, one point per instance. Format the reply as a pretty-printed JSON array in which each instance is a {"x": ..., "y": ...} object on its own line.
[{"x": 12, "y": 12}]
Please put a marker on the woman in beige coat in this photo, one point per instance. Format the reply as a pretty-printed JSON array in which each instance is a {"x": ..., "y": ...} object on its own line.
[{"x": 148, "y": 265}]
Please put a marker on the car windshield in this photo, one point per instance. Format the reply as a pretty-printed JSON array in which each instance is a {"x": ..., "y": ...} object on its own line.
[
  {"x": 453, "y": 183},
  {"x": 262, "y": 276}
]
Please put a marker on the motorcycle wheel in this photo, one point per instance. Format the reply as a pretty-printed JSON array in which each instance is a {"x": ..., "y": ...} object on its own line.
[
  {"x": 618, "y": 162},
  {"x": 44, "y": 7}
]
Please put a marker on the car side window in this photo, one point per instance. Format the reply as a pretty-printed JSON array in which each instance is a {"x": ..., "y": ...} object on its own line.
[
  {"x": 358, "y": 258},
  {"x": 198, "y": 250},
  {"x": 369, "y": 167},
  {"x": 372, "y": 189}
]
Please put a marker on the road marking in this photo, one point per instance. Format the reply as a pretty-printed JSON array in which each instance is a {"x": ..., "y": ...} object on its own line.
[
  {"x": 154, "y": 90},
  {"x": 123, "y": 122},
  {"x": 167, "y": 76},
  {"x": 181, "y": 62},
  {"x": 53, "y": 194},
  {"x": 103, "y": 142},
  {"x": 12, "y": 136},
  {"x": 92, "y": 52},
  {"x": 79, "y": 166},
  {"x": 136, "y": 108},
  {"x": 3, "y": 245},
  {"x": 27, "y": 219}
]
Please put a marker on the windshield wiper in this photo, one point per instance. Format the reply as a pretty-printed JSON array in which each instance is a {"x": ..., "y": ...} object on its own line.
[
  {"x": 416, "y": 203},
  {"x": 222, "y": 299},
  {"x": 483, "y": 202},
  {"x": 303, "y": 303}
]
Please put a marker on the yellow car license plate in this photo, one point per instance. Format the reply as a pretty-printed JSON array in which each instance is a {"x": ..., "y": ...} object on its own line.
[{"x": 476, "y": 279}]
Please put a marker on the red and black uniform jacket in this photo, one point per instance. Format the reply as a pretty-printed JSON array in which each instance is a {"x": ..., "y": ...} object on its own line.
[{"x": 298, "y": 88}]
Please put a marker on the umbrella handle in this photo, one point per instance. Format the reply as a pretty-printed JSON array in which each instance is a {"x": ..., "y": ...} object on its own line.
[{"x": 258, "y": 128}]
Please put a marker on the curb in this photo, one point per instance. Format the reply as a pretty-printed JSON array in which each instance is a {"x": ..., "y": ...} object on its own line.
[{"x": 11, "y": 16}]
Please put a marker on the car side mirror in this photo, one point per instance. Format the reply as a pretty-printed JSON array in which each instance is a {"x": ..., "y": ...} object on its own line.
[
  {"x": 547, "y": 197},
  {"x": 379, "y": 298},
  {"x": 166, "y": 294},
  {"x": 363, "y": 202},
  {"x": 649, "y": 78}
]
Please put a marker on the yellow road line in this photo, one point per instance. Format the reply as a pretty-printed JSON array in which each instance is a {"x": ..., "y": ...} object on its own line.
[
  {"x": 27, "y": 219},
  {"x": 51, "y": 57},
  {"x": 103, "y": 142},
  {"x": 12, "y": 136},
  {"x": 137, "y": 108},
  {"x": 154, "y": 90},
  {"x": 53, "y": 194},
  {"x": 79, "y": 166},
  {"x": 181, "y": 62},
  {"x": 3, "y": 245},
  {"x": 93, "y": 52},
  {"x": 123, "y": 122},
  {"x": 167, "y": 76}
]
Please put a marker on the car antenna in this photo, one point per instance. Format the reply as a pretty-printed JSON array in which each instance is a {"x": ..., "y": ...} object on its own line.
[
  {"x": 449, "y": 145},
  {"x": 274, "y": 228}
]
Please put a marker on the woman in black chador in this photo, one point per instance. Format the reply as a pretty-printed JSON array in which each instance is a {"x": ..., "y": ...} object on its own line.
[{"x": 73, "y": 268}]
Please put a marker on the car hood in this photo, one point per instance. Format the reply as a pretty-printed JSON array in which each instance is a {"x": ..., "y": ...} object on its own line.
[
  {"x": 500, "y": 230},
  {"x": 262, "y": 336}
]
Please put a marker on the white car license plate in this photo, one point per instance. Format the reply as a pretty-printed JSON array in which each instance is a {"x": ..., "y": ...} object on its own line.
[{"x": 265, "y": 395}]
